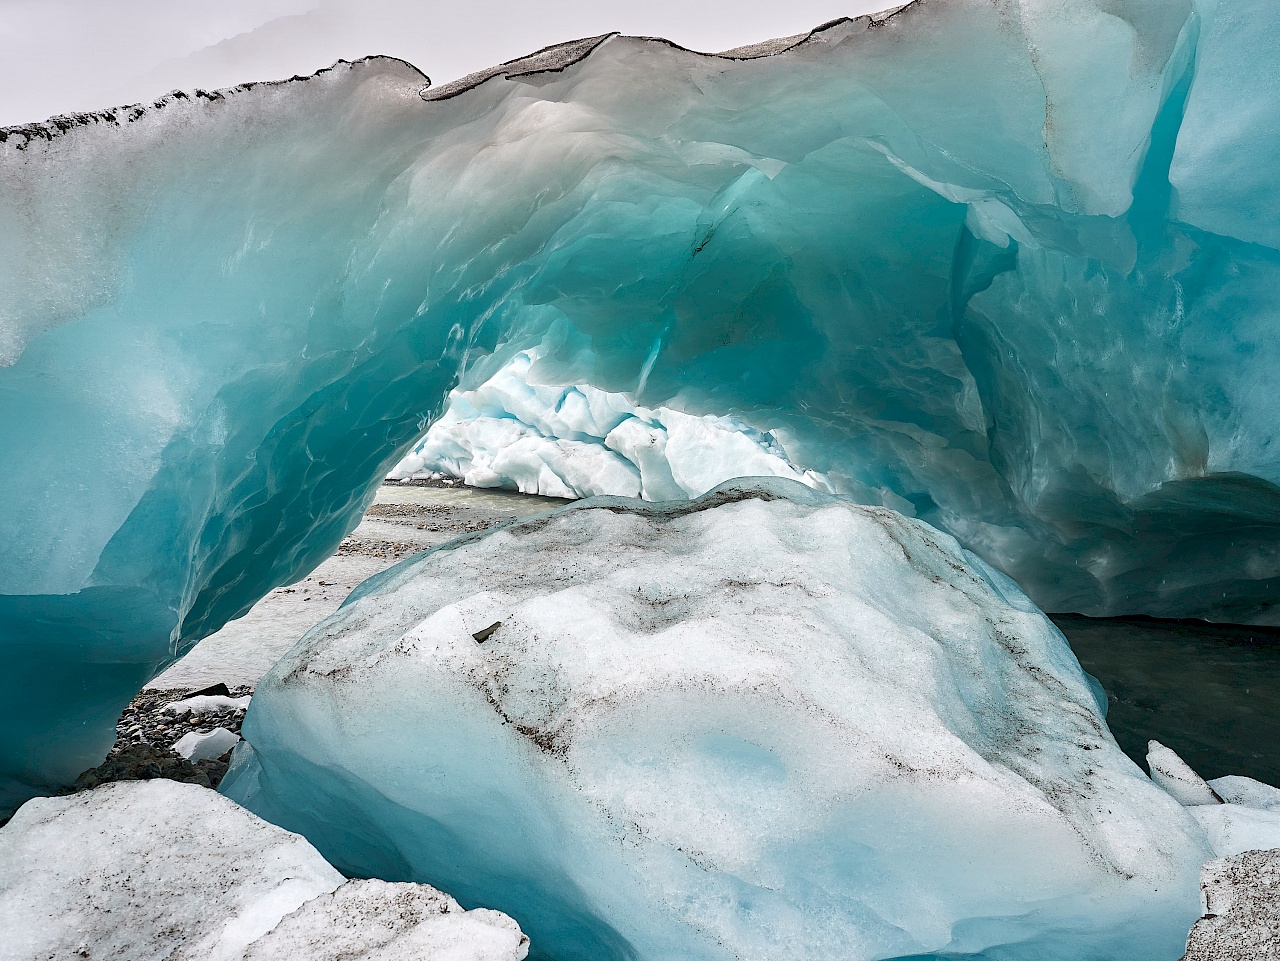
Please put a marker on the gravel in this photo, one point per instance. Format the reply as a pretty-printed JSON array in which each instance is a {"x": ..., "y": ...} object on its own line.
[{"x": 146, "y": 734}]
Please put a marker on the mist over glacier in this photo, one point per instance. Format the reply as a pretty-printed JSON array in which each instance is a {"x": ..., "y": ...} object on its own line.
[{"x": 982, "y": 263}]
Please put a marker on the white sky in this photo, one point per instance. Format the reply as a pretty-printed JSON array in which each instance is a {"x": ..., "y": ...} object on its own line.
[{"x": 61, "y": 56}]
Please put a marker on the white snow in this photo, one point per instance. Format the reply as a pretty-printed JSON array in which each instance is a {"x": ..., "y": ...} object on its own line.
[
  {"x": 148, "y": 869},
  {"x": 380, "y": 921},
  {"x": 1237, "y": 814},
  {"x": 1233, "y": 829},
  {"x": 161, "y": 871},
  {"x": 578, "y": 441},
  {"x": 198, "y": 746}
]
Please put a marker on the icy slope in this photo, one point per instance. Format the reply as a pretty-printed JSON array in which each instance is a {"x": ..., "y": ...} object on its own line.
[
  {"x": 939, "y": 251},
  {"x": 579, "y": 441},
  {"x": 160, "y": 871},
  {"x": 765, "y": 724}
]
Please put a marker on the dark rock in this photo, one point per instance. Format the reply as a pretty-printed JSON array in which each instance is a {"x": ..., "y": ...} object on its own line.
[{"x": 214, "y": 691}]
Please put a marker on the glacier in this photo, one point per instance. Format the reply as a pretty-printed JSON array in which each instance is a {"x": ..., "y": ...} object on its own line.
[
  {"x": 579, "y": 441},
  {"x": 1007, "y": 268},
  {"x": 766, "y": 723}
]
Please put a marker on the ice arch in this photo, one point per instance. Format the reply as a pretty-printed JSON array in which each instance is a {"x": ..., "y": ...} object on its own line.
[{"x": 940, "y": 247}]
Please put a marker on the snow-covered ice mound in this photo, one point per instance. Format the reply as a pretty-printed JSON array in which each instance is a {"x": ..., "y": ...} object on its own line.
[
  {"x": 1009, "y": 267},
  {"x": 160, "y": 871},
  {"x": 580, "y": 441},
  {"x": 768, "y": 723}
]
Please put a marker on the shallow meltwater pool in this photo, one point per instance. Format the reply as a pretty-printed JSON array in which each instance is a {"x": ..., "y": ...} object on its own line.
[{"x": 1209, "y": 691}]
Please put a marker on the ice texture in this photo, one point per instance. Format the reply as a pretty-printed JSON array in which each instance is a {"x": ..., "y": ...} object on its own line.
[
  {"x": 162, "y": 871},
  {"x": 579, "y": 441},
  {"x": 1177, "y": 777},
  {"x": 939, "y": 251},
  {"x": 148, "y": 869},
  {"x": 1235, "y": 789},
  {"x": 1244, "y": 818},
  {"x": 768, "y": 723},
  {"x": 1241, "y": 910},
  {"x": 376, "y": 921}
]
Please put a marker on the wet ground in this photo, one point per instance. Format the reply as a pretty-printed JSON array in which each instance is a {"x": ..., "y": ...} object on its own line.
[{"x": 1209, "y": 691}]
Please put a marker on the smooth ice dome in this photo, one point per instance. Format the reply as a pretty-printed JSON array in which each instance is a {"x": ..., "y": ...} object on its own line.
[
  {"x": 769, "y": 723},
  {"x": 158, "y": 870},
  {"x": 1009, "y": 268}
]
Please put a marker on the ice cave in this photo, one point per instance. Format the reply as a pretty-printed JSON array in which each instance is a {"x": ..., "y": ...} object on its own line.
[{"x": 862, "y": 348}]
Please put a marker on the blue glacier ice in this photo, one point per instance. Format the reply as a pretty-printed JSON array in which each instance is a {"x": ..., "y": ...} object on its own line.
[
  {"x": 765, "y": 724},
  {"x": 1009, "y": 268}
]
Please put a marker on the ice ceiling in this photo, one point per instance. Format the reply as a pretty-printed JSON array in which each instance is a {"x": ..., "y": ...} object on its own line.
[{"x": 1009, "y": 267}]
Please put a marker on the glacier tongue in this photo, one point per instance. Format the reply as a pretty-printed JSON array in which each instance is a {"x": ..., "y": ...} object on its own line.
[
  {"x": 768, "y": 723},
  {"x": 939, "y": 251}
]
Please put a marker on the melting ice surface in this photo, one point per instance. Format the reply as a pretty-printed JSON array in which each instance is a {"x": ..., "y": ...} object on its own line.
[
  {"x": 766, "y": 724},
  {"x": 1010, "y": 269}
]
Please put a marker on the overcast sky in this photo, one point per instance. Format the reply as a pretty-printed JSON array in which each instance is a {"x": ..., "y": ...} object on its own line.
[{"x": 66, "y": 55}]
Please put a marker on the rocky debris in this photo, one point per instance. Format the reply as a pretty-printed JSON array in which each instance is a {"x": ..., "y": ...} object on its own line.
[
  {"x": 1241, "y": 922},
  {"x": 149, "y": 730}
]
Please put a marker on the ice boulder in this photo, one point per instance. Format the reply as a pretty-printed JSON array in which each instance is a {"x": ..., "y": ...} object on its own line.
[
  {"x": 1244, "y": 818},
  {"x": 1178, "y": 778},
  {"x": 938, "y": 250},
  {"x": 161, "y": 871},
  {"x": 201, "y": 746},
  {"x": 766, "y": 723}
]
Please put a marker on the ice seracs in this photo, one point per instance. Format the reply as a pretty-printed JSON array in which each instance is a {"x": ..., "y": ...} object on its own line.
[
  {"x": 767, "y": 723},
  {"x": 161, "y": 871},
  {"x": 579, "y": 441}
]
